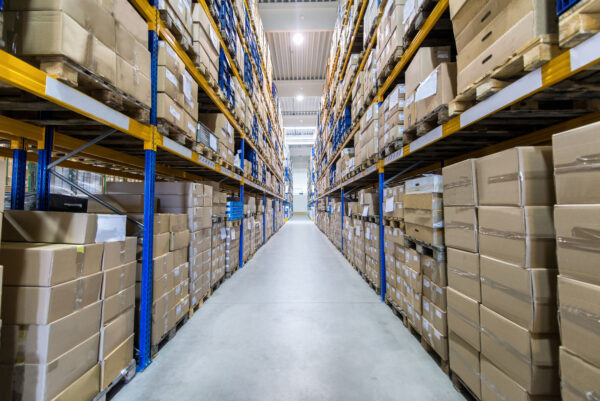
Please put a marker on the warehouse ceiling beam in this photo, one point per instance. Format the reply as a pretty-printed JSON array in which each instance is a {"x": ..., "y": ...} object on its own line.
[{"x": 290, "y": 17}]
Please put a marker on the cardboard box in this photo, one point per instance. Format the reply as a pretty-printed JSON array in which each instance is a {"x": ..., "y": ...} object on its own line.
[
  {"x": 161, "y": 223},
  {"x": 433, "y": 236},
  {"x": 578, "y": 311},
  {"x": 436, "y": 316},
  {"x": 521, "y": 236},
  {"x": 460, "y": 228},
  {"x": 44, "y": 265},
  {"x": 464, "y": 361},
  {"x": 530, "y": 360},
  {"x": 62, "y": 227},
  {"x": 118, "y": 253},
  {"x": 437, "y": 89},
  {"x": 575, "y": 178},
  {"x": 161, "y": 244},
  {"x": 463, "y": 318},
  {"x": 424, "y": 185},
  {"x": 577, "y": 256},
  {"x": 424, "y": 62},
  {"x": 434, "y": 270},
  {"x": 463, "y": 273},
  {"x": 460, "y": 184},
  {"x": 44, "y": 381},
  {"x": 118, "y": 360},
  {"x": 434, "y": 338},
  {"x": 179, "y": 240},
  {"x": 115, "y": 332},
  {"x": 525, "y": 296},
  {"x": 435, "y": 293},
  {"x": 496, "y": 385},
  {"x": 118, "y": 279},
  {"x": 84, "y": 388},
  {"x": 516, "y": 177},
  {"x": 577, "y": 376},
  {"x": 116, "y": 304},
  {"x": 42, "y": 344},
  {"x": 43, "y": 305}
]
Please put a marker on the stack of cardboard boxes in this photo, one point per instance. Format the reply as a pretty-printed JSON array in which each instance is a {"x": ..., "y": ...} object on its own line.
[
  {"x": 358, "y": 98},
  {"x": 359, "y": 243},
  {"x": 367, "y": 138},
  {"x": 177, "y": 93},
  {"x": 430, "y": 83},
  {"x": 519, "y": 333},
  {"x": 219, "y": 236},
  {"x": 248, "y": 226},
  {"x": 392, "y": 117},
  {"x": 390, "y": 34},
  {"x": 220, "y": 125},
  {"x": 577, "y": 227},
  {"x": 394, "y": 257},
  {"x": 178, "y": 15},
  {"x": 464, "y": 288},
  {"x": 65, "y": 320},
  {"x": 206, "y": 42},
  {"x": 232, "y": 249},
  {"x": 372, "y": 266},
  {"x": 393, "y": 203},
  {"x": 423, "y": 211}
]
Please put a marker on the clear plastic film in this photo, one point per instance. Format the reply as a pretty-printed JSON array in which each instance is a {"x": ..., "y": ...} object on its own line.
[
  {"x": 78, "y": 300},
  {"x": 580, "y": 164},
  {"x": 492, "y": 388},
  {"x": 583, "y": 239},
  {"x": 527, "y": 298},
  {"x": 463, "y": 318},
  {"x": 587, "y": 395},
  {"x": 462, "y": 182},
  {"x": 584, "y": 319},
  {"x": 511, "y": 235},
  {"x": 506, "y": 346},
  {"x": 517, "y": 176},
  {"x": 80, "y": 260},
  {"x": 457, "y": 225},
  {"x": 463, "y": 274}
]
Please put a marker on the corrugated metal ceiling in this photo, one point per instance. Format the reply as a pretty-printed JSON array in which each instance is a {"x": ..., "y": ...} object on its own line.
[
  {"x": 306, "y": 61},
  {"x": 292, "y": 106}
]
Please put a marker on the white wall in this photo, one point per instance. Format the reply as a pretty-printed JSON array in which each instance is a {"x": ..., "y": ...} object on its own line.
[{"x": 300, "y": 203}]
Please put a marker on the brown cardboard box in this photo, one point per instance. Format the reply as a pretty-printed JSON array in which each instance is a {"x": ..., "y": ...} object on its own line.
[
  {"x": 179, "y": 240},
  {"x": 497, "y": 386},
  {"x": 460, "y": 228},
  {"x": 460, "y": 184},
  {"x": 437, "y": 89},
  {"x": 180, "y": 256},
  {"x": 41, "y": 344},
  {"x": 161, "y": 223},
  {"x": 434, "y": 270},
  {"x": 44, "y": 265},
  {"x": 116, "y": 362},
  {"x": 576, "y": 254},
  {"x": 161, "y": 265},
  {"x": 62, "y": 227},
  {"x": 575, "y": 178},
  {"x": 463, "y": 273},
  {"x": 578, "y": 311},
  {"x": 578, "y": 378},
  {"x": 118, "y": 279},
  {"x": 118, "y": 253},
  {"x": 464, "y": 361},
  {"x": 425, "y": 61},
  {"x": 516, "y": 177},
  {"x": 521, "y": 236},
  {"x": 43, "y": 305},
  {"x": 463, "y": 317},
  {"x": 435, "y": 339},
  {"x": 435, "y": 293},
  {"x": 178, "y": 203},
  {"x": 525, "y": 296},
  {"x": 44, "y": 381},
  {"x": 412, "y": 259},
  {"x": 436, "y": 316},
  {"x": 433, "y": 236},
  {"x": 115, "y": 332},
  {"x": 84, "y": 388},
  {"x": 530, "y": 360},
  {"x": 116, "y": 304},
  {"x": 161, "y": 244},
  {"x": 169, "y": 111}
]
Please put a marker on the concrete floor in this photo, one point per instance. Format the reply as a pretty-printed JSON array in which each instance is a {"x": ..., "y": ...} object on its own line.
[{"x": 296, "y": 323}]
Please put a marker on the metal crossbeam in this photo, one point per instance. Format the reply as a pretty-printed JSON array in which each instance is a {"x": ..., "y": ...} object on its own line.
[
  {"x": 406, "y": 170},
  {"x": 81, "y": 148}
]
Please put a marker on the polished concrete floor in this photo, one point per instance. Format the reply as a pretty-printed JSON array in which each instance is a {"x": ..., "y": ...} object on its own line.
[{"x": 296, "y": 323}]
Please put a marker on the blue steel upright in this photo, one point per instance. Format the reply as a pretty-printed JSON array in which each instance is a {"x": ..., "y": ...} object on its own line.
[
  {"x": 342, "y": 219},
  {"x": 19, "y": 171},
  {"x": 242, "y": 149},
  {"x": 43, "y": 175},
  {"x": 145, "y": 322},
  {"x": 381, "y": 239}
]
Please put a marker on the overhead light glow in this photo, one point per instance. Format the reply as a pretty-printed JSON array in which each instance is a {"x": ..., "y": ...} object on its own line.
[
  {"x": 300, "y": 97},
  {"x": 298, "y": 39}
]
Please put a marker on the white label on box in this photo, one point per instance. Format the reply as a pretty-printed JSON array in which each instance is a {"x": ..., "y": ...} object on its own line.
[
  {"x": 409, "y": 9},
  {"x": 438, "y": 289},
  {"x": 232, "y": 234},
  {"x": 223, "y": 233},
  {"x": 389, "y": 205},
  {"x": 365, "y": 210},
  {"x": 78, "y": 100},
  {"x": 174, "y": 113},
  {"x": 171, "y": 77},
  {"x": 426, "y": 305},
  {"x": 426, "y": 283},
  {"x": 428, "y": 87},
  {"x": 436, "y": 334},
  {"x": 213, "y": 142},
  {"x": 438, "y": 313},
  {"x": 368, "y": 233},
  {"x": 191, "y": 128}
]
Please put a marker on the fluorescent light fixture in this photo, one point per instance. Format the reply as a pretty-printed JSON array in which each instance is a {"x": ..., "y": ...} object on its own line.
[
  {"x": 300, "y": 97},
  {"x": 298, "y": 39}
]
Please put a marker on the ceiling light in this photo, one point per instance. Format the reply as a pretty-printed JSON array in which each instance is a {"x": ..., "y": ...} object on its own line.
[
  {"x": 298, "y": 39},
  {"x": 300, "y": 97}
]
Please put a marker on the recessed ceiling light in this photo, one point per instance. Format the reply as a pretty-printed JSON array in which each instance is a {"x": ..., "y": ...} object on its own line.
[
  {"x": 298, "y": 39},
  {"x": 300, "y": 97}
]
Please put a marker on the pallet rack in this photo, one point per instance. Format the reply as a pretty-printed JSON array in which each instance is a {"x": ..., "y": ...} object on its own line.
[
  {"x": 485, "y": 128},
  {"x": 130, "y": 149}
]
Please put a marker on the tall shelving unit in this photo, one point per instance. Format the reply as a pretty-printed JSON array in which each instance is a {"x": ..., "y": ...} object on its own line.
[
  {"x": 485, "y": 128},
  {"x": 129, "y": 149}
]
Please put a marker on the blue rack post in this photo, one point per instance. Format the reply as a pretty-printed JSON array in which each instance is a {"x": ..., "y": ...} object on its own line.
[
  {"x": 381, "y": 239},
  {"x": 145, "y": 322},
  {"x": 264, "y": 218},
  {"x": 19, "y": 171},
  {"x": 43, "y": 174},
  {"x": 242, "y": 150},
  {"x": 342, "y": 189}
]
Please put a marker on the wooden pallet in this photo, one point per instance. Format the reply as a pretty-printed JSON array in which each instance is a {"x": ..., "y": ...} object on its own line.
[
  {"x": 175, "y": 133},
  {"x": 195, "y": 308},
  {"x": 443, "y": 364},
  {"x": 398, "y": 311},
  {"x": 88, "y": 82},
  {"x": 531, "y": 56},
  {"x": 391, "y": 147},
  {"x": 233, "y": 223},
  {"x": 579, "y": 23},
  {"x": 205, "y": 151},
  {"x": 215, "y": 286},
  {"x": 462, "y": 388},
  {"x": 177, "y": 28},
  {"x": 389, "y": 66},
  {"x": 434, "y": 118},
  {"x": 125, "y": 376},
  {"x": 436, "y": 252},
  {"x": 155, "y": 348},
  {"x": 230, "y": 273},
  {"x": 417, "y": 22},
  {"x": 393, "y": 222}
]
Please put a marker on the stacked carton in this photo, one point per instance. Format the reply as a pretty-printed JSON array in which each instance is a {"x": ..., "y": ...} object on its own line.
[
  {"x": 112, "y": 45},
  {"x": 248, "y": 227},
  {"x": 177, "y": 93},
  {"x": 487, "y": 33},
  {"x": 220, "y": 125},
  {"x": 577, "y": 226},
  {"x": 60, "y": 319},
  {"x": 178, "y": 15},
  {"x": 358, "y": 98},
  {"x": 390, "y": 34},
  {"x": 219, "y": 203},
  {"x": 464, "y": 288},
  {"x": 232, "y": 249},
  {"x": 205, "y": 42},
  {"x": 423, "y": 212},
  {"x": 372, "y": 266},
  {"x": 359, "y": 243},
  {"x": 219, "y": 236},
  {"x": 430, "y": 83},
  {"x": 348, "y": 232},
  {"x": 393, "y": 202},
  {"x": 368, "y": 200},
  {"x": 367, "y": 140},
  {"x": 519, "y": 341},
  {"x": 392, "y": 117},
  {"x": 411, "y": 285}
]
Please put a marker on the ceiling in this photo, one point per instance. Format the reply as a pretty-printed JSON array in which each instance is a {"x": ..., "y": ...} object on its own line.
[{"x": 299, "y": 69}]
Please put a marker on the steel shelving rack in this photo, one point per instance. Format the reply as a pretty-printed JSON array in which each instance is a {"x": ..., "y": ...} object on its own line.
[
  {"x": 130, "y": 149},
  {"x": 485, "y": 128}
]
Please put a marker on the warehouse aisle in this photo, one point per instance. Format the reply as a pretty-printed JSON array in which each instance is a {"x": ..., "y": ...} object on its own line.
[{"x": 297, "y": 323}]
